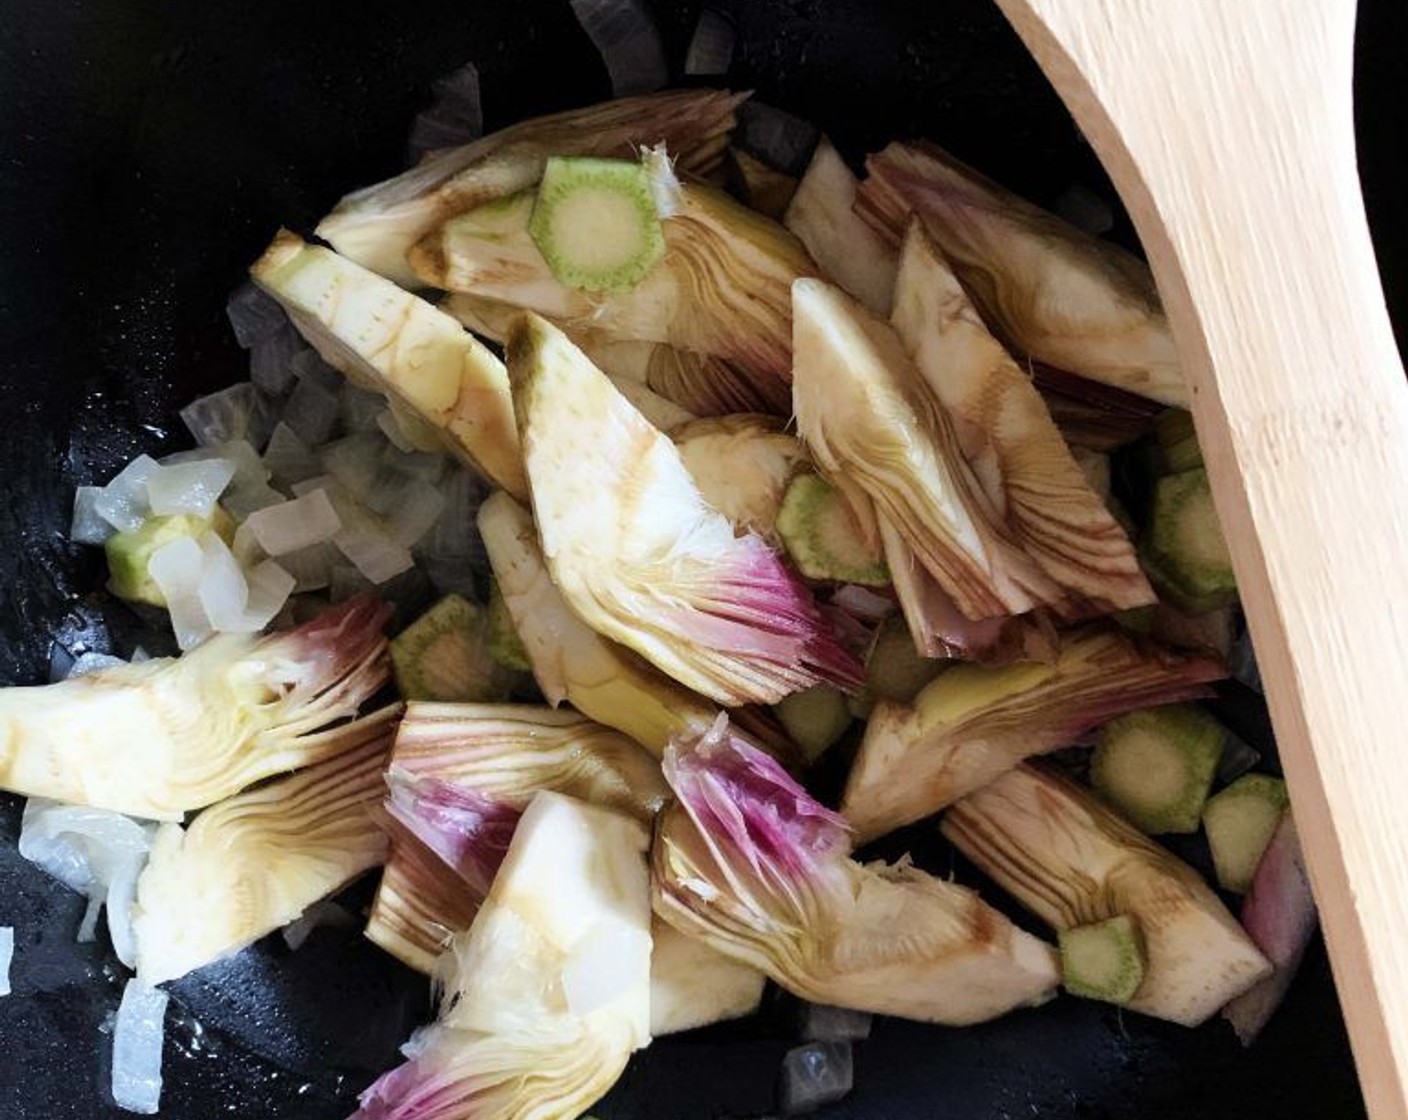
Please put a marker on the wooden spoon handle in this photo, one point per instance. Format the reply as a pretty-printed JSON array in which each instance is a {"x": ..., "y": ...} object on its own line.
[{"x": 1227, "y": 126}]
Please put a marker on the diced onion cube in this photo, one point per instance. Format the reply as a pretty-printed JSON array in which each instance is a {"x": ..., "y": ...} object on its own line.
[
  {"x": 176, "y": 570},
  {"x": 295, "y": 525},
  {"x": 816, "y": 1074},
  {"x": 269, "y": 589},
  {"x": 89, "y": 526},
  {"x": 123, "y": 503},
  {"x": 189, "y": 487},
  {"x": 136, "y": 1048},
  {"x": 7, "y": 954},
  {"x": 223, "y": 590}
]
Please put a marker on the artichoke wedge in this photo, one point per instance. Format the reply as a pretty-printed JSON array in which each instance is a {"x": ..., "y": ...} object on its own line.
[
  {"x": 822, "y": 215},
  {"x": 548, "y": 993},
  {"x": 1009, "y": 436},
  {"x": 973, "y": 723},
  {"x": 1049, "y": 291},
  {"x": 1071, "y": 861},
  {"x": 638, "y": 554},
  {"x": 388, "y": 340},
  {"x": 256, "y": 861},
  {"x": 748, "y": 863},
  {"x": 571, "y": 661},
  {"x": 375, "y": 226},
  {"x": 742, "y": 465},
  {"x": 722, "y": 288},
  {"x": 163, "y": 737},
  {"x": 867, "y": 415}
]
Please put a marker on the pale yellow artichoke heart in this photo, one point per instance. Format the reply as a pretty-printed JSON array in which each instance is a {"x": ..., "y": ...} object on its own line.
[
  {"x": 256, "y": 861},
  {"x": 865, "y": 413},
  {"x": 1072, "y": 861},
  {"x": 391, "y": 341},
  {"x": 638, "y": 554},
  {"x": 1059, "y": 520}
]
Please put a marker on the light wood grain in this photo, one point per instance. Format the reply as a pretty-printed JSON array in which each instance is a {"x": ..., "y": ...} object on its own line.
[{"x": 1226, "y": 125}]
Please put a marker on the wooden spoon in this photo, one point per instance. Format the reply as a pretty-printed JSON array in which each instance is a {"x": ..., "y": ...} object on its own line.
[{"x": 1227, "y": 126}]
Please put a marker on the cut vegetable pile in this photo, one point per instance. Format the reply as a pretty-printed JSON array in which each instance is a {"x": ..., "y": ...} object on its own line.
[{"x": 668, "y": 494}]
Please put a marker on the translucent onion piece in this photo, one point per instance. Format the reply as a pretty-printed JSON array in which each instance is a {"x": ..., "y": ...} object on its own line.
[
  {"x": 312, "y": 411},
  {"x": 375, "y": 226},
  {"x": 239, "y": 412},
  {"x": 571, "y": 661},
  {"x": 747, "y": 862},
  {"x": 176, "y": 569},
  {"x": 295, "y": 525},
  {"x": 711, "y": 47},
  {"x": 256, "y": 861},
  {"x": 640, "y": 556},
  {"x": 1004, "y": 425},
  {"x": 88, "y": 526},
  {"x": 271, "y": 359},
  {"x": 322, "y": 913},
  {"x": 137, "y": 1038},
  {"x": 7, "y": 956},
  {"x": 197, "y": 729},
  {"x": 628, "y": 41},
  {"x": 253, "y": 315},
  {"x": 123, "y": 502},
  {"x": 1063, "y": 855},
  {"x": 816, "y": 1074},
  {"x": 722, "y": 289},
  {"x": 95, "y": 852},
  {"x": 972, "y": 722},
  {"x": 776, "y": 137},
  {"x": 867, "y": 415},
  {"x": 1049, "y": 290}
]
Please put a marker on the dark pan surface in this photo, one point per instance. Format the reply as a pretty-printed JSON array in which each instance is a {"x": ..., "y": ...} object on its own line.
[{"x": 147, "y": 151}]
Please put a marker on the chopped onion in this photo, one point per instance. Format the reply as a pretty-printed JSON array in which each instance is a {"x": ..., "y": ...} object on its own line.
[
  {"x": 819, "y": 1022},
  {"x": 311, "y": 567},
  {"x": 312, "y": 411},
  {"x": 7, "y": 954},
  {"x": 424, "y": 465},
  {"x": 362, "y": 540},
  {"x": 254, "y": 314},
  {"x": 269, "y": 589},
  {"x": 88, "y": 525},
  {"x": 60, "y": 662},
  {"x": 813, "y": 1075},
  {"x": 87, "y": 663},
  {"x": 346, "y": 581},
  {"x": 776, "y": 137},
  {"x": 453, "y": 551},
  {"x": 628, "y": 41},
  {"x": 288, "y": 458},
  {"x": 455, "y": 118},
  {"x": 355, "y": 461},
  {"x": 308, "y": 365},
  {"x": 1238, "y": 756},
  {"x": 416, "y": 511},
  {"x": 176, "y": 570},
  {"x": 136, "y": 1048},
  {"x": 360, "y": 409},
  {"x": 862, "y": 603},
  {"x": 223, "y": 592},
  {"x": 123, "y": 503},
  {"x": 242, "y": 501},
  {"x": 711, "y": 48},
  {"x": 239, "y": 412},
  {"x": 249, "y": 467},
  {"x": 295, "y": 525},
  {"x": 271, "y": 360},
  {"x": 324, "y": 912},
  {"x": 1242, "y": 662},
  {"x": 95, "y": 852},
  {"x": 391, "y": 428},
  {"x": 189, "y": 487}
]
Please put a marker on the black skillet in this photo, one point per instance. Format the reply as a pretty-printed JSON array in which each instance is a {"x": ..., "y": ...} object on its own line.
[{"x": 147, "y": 151}]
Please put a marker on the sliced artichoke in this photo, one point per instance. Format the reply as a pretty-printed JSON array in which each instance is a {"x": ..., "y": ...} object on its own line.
[
  {"x": 747, "y": 862},
  {"x": 375, "y": 226},
  {"x": 722, "y": 289},
  {"x": 867, "y": 415},
  {"x": 510, "y": 752},
  {"x": 972, "y": 723},
  {"x": 548, "y": 992},
  {"x": 741, "y": 465},
  {"x": 1071, "y": 861},
  {"x": 256, "y": 861},
  {"x": 638, "y": 554},
  {"x": 395, "y": 343},
  {"x": 163, "y": 737},
  {"x": 693, "y": 985},
  {"x": 822, "y": 215},
  {"x": 1050, "y": 291},
  {"x": 1005, "y": 426},
  {"x": 571, "y": 661}
]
